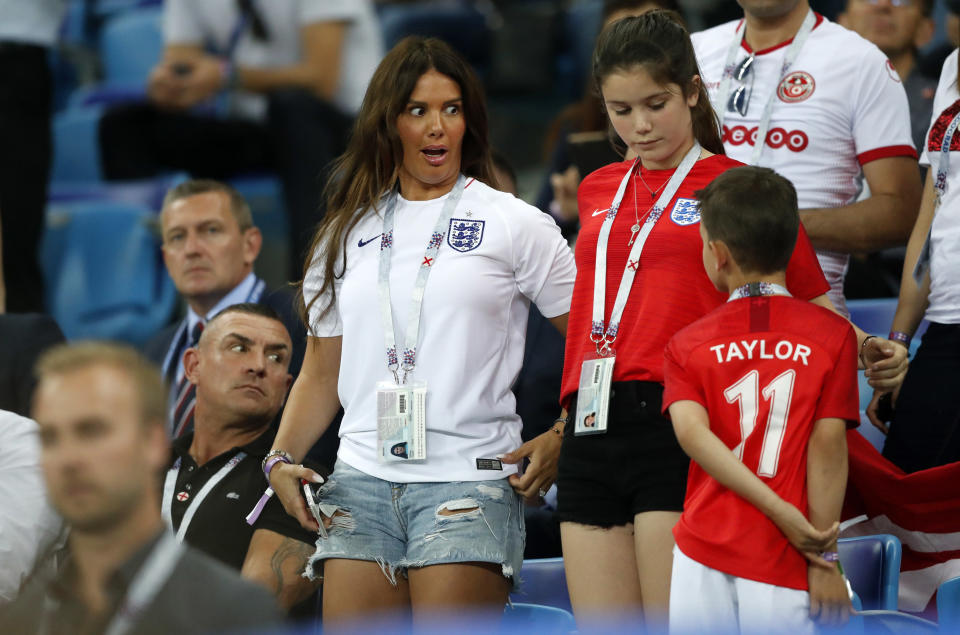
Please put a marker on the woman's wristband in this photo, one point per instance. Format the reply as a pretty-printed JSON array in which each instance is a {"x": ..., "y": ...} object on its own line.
[
  {"x": 270, "y": 461},
  {"x": 900, "y": 338}
]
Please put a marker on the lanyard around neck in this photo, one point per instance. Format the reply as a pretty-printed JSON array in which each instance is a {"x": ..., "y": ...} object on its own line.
[
  {"x": 143, "y": 589},
  {"x": 788, "y": 59},
  {"x": 419, "y": 286},
  {"x": 170, "y": 484},
  {"x": 604, "y": 338},
  {"x": 754, "y": 289}
]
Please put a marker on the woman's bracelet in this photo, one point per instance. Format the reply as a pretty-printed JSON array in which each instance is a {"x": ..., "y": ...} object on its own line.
[
  {"x": 270, "y": 461},
  {"x": 862, "y": 345},
  {"x": 556, "y": 425}
]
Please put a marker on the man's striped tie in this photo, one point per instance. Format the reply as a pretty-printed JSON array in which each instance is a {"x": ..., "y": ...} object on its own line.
[{"x": 186, "y": 394}]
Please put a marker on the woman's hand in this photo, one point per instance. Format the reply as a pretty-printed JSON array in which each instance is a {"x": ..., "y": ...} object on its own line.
[
  {"x": 285, "y": 481},
  {"x": 565, "y": 186},
  {"x": 873, "y": 409},
  {"x": 543, "y": 452},
  {"x": 886, "y": 363},
  {"x": 829, "y": 597}
]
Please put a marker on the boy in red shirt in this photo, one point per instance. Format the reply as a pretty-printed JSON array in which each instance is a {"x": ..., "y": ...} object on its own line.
[{"x": 760, "y": 392}]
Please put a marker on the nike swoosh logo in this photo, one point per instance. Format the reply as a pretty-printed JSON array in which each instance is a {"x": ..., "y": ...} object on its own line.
[
  {"x": 597, "y": 212},
  {"x": 362, "y": 242}
]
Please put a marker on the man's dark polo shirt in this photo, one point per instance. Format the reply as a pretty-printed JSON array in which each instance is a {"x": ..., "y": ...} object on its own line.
[
  {"x": 200, "y": 596},
  {"x": 219, "y": 527}
]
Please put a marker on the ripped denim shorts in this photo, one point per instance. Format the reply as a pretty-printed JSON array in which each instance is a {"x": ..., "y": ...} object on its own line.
[{"x": 403, "y": 525}]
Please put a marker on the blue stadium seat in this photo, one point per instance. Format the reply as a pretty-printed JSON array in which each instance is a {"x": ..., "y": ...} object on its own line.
[
  {"x": 872, "y": 564},
  {"x": 131, "y": 43},
  {"x": 105, "y": 276},
  {"x": 107, "y": 94},
  {"x": 543, "y": 581},
  {"x": 948, "y": 606},
  {"x": 458, "y": 24},
  {"x": 534, "y": 618},
  {"x": 76, "y": 145},
  {"x": 148, "y": 193},
  {"x": 895, "y": 623}
]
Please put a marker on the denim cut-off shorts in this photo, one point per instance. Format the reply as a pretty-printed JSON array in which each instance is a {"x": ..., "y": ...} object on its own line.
[{"x": 404, "y": 525}]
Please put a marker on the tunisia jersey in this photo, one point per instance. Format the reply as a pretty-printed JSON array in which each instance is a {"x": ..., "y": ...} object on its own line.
[
  {"x": 671, "y": 288},
  {"x": 770, "y": 366},
  {"x": 840, "y": 106}
]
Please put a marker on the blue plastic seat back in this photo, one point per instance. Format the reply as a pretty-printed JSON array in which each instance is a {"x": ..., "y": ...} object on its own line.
[
  {"x": 147, "y": 193},
  {"x": 948, "y": 606},
  {"x": 896, "y": 623},
  {"x": 543, "y": 581},
  {"x": 105, "y": 275},
  {"x": 107, "y": 94},
  {"x": 131, "y": 43},
  {"x": 534, "y": 618},
  {"x": 872, "y": 564},
  {"x": 875, "y": 315},
  {"x": 76, "y": 145},
  {"x": 460, "y": 25}
]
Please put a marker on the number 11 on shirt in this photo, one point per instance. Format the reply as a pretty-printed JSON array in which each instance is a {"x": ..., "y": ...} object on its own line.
[{"x": 745, "y": 392}]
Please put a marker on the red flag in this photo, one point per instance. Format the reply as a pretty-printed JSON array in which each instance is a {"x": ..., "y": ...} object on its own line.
[{"x": 922, "y": 509}]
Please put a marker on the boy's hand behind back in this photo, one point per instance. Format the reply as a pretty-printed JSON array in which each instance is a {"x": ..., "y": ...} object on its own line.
[
  {"x": 809, "y": 540},
  {"x": 829, "y": 598}
]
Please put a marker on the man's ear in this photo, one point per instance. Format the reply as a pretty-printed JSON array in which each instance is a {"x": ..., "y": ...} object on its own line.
[
  {"x": 252, "y": 242},
  {"x": 191, "y": 361}
]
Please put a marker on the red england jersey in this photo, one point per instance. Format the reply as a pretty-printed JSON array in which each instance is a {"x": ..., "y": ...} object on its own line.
[
  {"x": 671, "y": 288},
  {"x": 765, "y": 368}
]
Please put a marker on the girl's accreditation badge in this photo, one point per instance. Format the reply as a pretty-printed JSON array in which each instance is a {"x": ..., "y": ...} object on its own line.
[
  {"x": 593, "y": 396},
  {"x": 402, "y": 421}
]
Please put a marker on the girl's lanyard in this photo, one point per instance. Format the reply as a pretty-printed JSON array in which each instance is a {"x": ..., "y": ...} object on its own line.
[
  {"x": 754, "y": 289},
  {"x": 416, "y": 303},
  {"x": 939, "y": 187},
  {"x": 723, "y": 94},
  {"x": 142, "y": 591},
  {"x": 170, "y": 484},
  {"x": 604, "y": 338},
  {"x": 596, "y": 373}
]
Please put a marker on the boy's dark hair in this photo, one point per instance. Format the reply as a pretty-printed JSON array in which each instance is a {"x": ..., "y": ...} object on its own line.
[{"x": 754, "y": 211}]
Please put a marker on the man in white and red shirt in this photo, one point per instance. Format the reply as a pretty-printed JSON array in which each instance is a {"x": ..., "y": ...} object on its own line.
[{"x": 839, "y": 117}]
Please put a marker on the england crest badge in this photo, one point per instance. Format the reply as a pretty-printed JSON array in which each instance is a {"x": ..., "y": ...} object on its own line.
[
  {"x": 686, "y": 211},
  {"x": 465, "y": 235}
]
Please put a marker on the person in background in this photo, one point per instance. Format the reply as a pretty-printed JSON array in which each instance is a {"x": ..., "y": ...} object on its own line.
[
  {"x": 239, "y": 368},
  {"x": 925, "y": 428},
  {"x": 287, "y": 76},
  {"x": 899, "y": 28},
  {"x": 27, "y": 32},
  {"x": 100, "y": 409},
  {"x": 210, "y": 245},
  {"x": 30, "y": 530},
  {"x": 830, "y": 123}
]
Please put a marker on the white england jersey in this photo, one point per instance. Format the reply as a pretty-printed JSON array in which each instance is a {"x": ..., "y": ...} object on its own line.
[
  {"x": 840, "y": 106},
  {"x": 502, "y": 255}
]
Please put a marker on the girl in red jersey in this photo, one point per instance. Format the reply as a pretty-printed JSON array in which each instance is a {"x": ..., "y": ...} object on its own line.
[{"x": 639, "y": 280}]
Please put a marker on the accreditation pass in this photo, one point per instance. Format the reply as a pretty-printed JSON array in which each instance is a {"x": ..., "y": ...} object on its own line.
[
  {"x": 593, "y": 396},
  {"x": 402, "y": 421}
]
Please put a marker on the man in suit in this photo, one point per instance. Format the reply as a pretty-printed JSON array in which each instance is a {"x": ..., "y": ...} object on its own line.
[{"x": 209, "y": 247}]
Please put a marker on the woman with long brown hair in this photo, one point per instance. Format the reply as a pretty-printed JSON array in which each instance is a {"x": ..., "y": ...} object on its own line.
[{"x": 416, "y": 295}]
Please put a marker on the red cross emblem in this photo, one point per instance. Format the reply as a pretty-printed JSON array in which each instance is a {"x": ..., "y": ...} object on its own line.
[
  {"x": 182, "y": 496},
  {"x": 427, "y": 261},
  {"x": 633, "y": 264}
]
